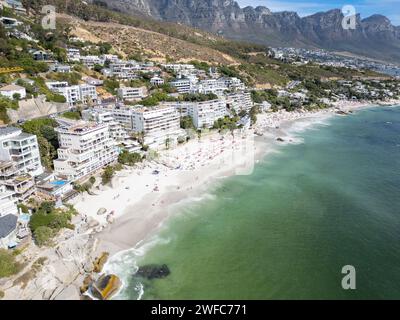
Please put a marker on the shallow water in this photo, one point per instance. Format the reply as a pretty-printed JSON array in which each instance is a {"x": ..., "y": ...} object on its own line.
[{"x": 286, "y": 231}]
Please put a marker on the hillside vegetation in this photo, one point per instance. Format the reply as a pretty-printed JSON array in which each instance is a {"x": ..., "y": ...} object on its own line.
[{"x": 144, "y": 38}]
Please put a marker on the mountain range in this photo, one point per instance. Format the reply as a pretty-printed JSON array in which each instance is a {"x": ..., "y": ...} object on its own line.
[{"x": 373, "y": 37}]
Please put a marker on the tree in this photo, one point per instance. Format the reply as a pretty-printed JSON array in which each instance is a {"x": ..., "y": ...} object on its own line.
[
  {"x": 98, "y": 67},
  {"x": 107, "y": 175},
  {"x": 130, "y": 159},
  {"x": 167, "y": 143},
  {"x": 187, "y": 122}
]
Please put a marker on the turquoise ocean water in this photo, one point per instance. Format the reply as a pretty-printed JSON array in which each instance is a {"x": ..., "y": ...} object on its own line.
[{"x": 286, "y": 231}]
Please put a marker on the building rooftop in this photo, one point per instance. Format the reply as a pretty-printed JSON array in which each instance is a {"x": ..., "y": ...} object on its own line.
[
  {"x": 23, "y": 136},
  {"x": 11, "y": 87},
  {"x": 81, "y": 127},
  {"x": 8, "y": 224},
  {"x": 8, "y": 130}
]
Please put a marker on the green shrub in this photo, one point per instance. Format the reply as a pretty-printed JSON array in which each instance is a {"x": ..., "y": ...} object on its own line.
[
  {"x": 8, "y": 264},
  {"x": 129, "y": 158},
  {"x": 107, "y": 175},
  {"x": 73, "y": 115},
  {"x": 24, "y": 208},
  {"x": 43, "y": 235}
]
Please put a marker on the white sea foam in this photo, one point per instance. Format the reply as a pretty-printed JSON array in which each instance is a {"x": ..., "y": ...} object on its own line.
[{"x": 124, "y": 264}]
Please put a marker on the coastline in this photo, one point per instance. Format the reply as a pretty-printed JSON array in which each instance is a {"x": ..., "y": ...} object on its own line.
[
  {"x": 143, "y": 201},
  {"x": 142, "y": 218}
]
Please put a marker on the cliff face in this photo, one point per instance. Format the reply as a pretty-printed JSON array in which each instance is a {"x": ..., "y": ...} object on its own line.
[{"x": 374, "y": 36}]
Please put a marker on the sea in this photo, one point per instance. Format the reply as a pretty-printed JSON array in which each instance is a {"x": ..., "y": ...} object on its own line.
[{"x": 287, "y": 230}]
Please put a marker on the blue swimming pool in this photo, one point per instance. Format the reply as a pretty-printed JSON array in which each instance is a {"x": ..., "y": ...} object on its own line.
[{"x": 59, "y": 182}]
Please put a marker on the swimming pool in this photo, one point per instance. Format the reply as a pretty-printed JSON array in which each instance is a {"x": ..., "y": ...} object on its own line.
[{"x": 59, "y": 182}]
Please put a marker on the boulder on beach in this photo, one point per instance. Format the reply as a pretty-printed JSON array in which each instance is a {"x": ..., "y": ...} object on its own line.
[
  {"x": 110, "y": 219},
  {"x": 100, "y": 262},
  {"x": 105, "y": 287},
  {"x": 153, "y": 271},
  {"x": 101, "y": 211}
]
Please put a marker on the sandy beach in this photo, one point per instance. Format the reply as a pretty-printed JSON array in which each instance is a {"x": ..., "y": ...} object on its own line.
[{"x": 140, "y": 199}]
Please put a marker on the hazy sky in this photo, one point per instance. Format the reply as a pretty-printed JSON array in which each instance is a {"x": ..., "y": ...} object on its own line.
[{"x": 389, "y": 8}]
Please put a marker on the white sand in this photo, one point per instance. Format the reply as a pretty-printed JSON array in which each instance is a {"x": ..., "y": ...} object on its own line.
[{"x": 140, "y": 199}]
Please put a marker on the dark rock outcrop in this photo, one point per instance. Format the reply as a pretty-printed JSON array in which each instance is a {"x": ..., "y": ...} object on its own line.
[{"x": 153, "y": 272}]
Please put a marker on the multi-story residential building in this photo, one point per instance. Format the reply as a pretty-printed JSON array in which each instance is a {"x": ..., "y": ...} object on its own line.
[
  {"x": 91, "y": 61},
  {"x": 117, "y": 131},
  {"x": 157, "y": 81},
  {"x": 21, "y": 185},
  {"x": 183, "y": 85},
  {"x": 120, "y": 112},
  {"x": 111, "y": 58},
  {"x": 132, "y": 94},
  {"x": 157, "y": 123},
  {"x": 215, "y": 86},
  {"x": 73, "y": 55},
  {"x": 180, "y": 68},
  {"x": 233, "y": 83},
  {"x": 8, "y": 203},
  {"x": 205, "y": 113},
  {"x": 61, "y": 68},
  {"x": 84, "y": 149},
  {"x": 126, "y": 70},
  {"x": 12, "y": 90},
  {"x": 240, "y": 101},
  {"x": 22, "y": 149},
  {"x": 84, "y": 93}
]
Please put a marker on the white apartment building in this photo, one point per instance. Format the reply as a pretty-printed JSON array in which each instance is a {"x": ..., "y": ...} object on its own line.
[
  {"x": 183, "y": 85},
  {"x": 113, "y": 58},
  {"x": 132, "y": 94},
  {"x": 121, "y": 113},
  {"x": 61, "y": 68},
  {"x": 117, "y": 131},
  {"x": 22, "y": 149},
  {"x": 84, "y": 93},
  {"x": 215, "y": 86},
  {"x": 157, "y": 81},
  {"x": 240, "y": 101},
  {"x": 22, "y": 186},
  {"x": 233, "y": 83},
  {"x": 126, "y": 70},
  {"x": 11, "y": 90},
  {"x": 8, "y": 203},
  {"x": 179, "y": 67},
  {"x": 157, "y": 123},
  {"x": 91, "y": 61},
  {"x": 73, "y": 55},
  {"x": 204, "y": 113},
  {"x": 84, "y": 149}
]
